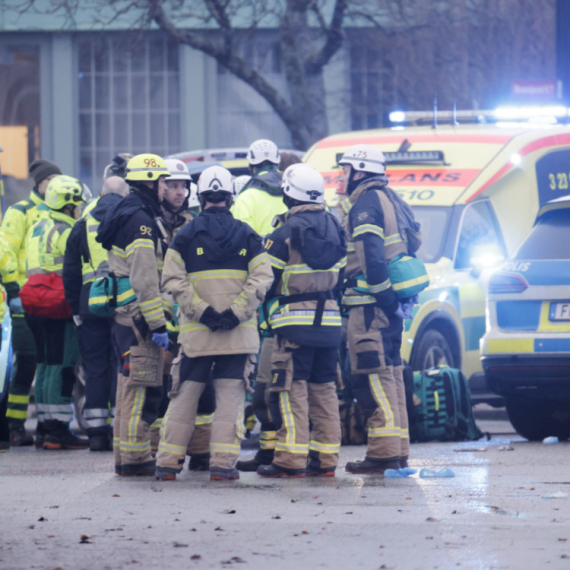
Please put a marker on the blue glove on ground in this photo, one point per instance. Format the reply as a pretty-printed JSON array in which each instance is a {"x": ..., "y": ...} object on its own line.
[{"x": 160, "y": 339}]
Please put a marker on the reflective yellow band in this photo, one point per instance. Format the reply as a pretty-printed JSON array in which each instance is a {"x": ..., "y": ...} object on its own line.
[
  {"x": 171, "y": 448},
  {"x": 380, "y": 286},
  {"x": 257, "y": 261},
  {"x": 204, "y": 420},
  {"x": 126, "y": 446},
  {"x": 17, "y": 414},
  {"x": 138, "y": 243},
  {"x": 175, "y": 256},
  {"x": 410, "y": 283},
  {"x": 104, "y": 298},
  {"x": 324, "y": 447},
  {"x": 119, "y": 252},
  {"x": 382, "y": 400},
  {"x": 368, "y": 229},
  {"x": 358, "y": 300},
  {"x": 217, "y": 274},
  {"x": 156, "y": 424},
  {"x": 300, "y": 448},
  {"x": 384, "y": 432},
  {"x": 192, "y": 327},
  {"x": 277, "y": 263},
  {"x": 393, "y": 239},
  {"x": 225, "y": 448},
  {"x": 15, "y": 399}
]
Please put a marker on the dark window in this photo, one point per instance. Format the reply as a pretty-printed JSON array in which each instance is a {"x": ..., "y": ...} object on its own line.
[{"x": 550, "y": 239}]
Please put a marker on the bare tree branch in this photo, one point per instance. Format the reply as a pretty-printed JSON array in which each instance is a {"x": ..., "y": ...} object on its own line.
[{"x": 335, "y": 36}]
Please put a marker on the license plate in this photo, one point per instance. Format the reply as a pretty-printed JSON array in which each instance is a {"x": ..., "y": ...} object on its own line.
[{"x": 560, "y": 311}]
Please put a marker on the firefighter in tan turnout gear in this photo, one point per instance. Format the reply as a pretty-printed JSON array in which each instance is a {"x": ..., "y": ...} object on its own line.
[
  {"x": 175, "y": 215},
  {"x": 379, "y": 225},
  {"x": 218, "y": 273},
  {"x": 308, "y": 256},
  {"x": 133, "y": 234}
]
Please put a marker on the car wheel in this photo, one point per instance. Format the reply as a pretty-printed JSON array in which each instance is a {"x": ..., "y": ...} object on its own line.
[
  {"x": 432, "y": 350},
  {"x": 536, "y": 419},
  {"x": 78, "y": 396}
]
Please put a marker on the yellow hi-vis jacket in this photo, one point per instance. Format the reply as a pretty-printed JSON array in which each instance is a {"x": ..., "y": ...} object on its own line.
[
  {"x": 17, "y": 224},
  {"x": 45, "y": 246}
]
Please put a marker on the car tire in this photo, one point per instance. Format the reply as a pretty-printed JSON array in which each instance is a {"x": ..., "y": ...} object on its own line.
[
  {"x": 536, "y": 419},
  {"x": 431, "y": 350}
]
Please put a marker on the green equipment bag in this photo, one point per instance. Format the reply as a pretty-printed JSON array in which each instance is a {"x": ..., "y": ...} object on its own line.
[
  {"x": 408, "y": 276},
  {"x": 439, "y": 405},
  {"x": 109, "y": 292}
]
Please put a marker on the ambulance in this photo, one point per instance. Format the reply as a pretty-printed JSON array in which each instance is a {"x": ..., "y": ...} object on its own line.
[{"x": 476, "y": 190}]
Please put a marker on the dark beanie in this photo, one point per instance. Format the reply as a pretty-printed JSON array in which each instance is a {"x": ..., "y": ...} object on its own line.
[{"x": 41, "y": 169}]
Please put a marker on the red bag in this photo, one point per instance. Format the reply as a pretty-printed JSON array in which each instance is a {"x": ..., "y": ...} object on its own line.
[{"x": 43, "y": 296}]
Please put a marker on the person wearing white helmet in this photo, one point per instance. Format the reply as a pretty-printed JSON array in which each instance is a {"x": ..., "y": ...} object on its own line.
[
  {"x": 261, "y": 199},
  {"x": 240, "y": 182},
  {"x": 217, "y": 271},
  {"x": 380, "y": 227},
  {"x": 175, "y": 215},
  {"x": 308, "y": 256}
]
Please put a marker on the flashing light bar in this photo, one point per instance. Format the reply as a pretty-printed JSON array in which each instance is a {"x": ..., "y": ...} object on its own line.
[
  {"x": 412, "y": 157},
  {"x": 546, "y": 114}
]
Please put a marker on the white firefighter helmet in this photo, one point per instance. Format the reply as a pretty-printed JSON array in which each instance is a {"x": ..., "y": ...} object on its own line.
[
  {"x": 193, "y": 197},
  {"x": 240, "y": 182},
  {"x": 262, "y": 150},
  {"x": 304, "y": 183},
  {"x": 215, "y": 179},
  {"x": 178, "y": 170},
  {"x": 364, "y": 157}
]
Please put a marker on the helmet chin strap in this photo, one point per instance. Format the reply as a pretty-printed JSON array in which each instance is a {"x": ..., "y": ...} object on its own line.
[{"x": 350, "y": 185}]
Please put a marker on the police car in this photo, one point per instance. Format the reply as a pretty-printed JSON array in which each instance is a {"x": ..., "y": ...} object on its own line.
[
  {"x": 476, "y": 190},
  {"x": 526, "y": 349}
]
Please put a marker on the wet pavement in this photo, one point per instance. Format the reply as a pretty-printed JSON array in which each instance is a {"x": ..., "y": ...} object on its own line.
[{"x": 493, "y": 514}]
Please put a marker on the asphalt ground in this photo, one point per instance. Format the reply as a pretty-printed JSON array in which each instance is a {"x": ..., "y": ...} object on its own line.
[{"x": 67, "y": 509}]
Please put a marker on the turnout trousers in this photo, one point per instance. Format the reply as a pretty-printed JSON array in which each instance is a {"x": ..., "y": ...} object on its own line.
[
  {"x": 200, "y": 441},
  {"x": 24, "y": 347},
  {"x": 100, "y": 365},
  {"x": 303, "y": 388},
  {"x": 228, "y": 374},
  {"x": 136, "y": 407},
  {"x": 260, "y": 403},
  {"x": 377, "y": 381}
]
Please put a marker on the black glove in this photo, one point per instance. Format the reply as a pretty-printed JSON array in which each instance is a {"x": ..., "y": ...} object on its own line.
[
  {"x": 12, "y": 290},
  {"x": 211, "y": 318},
  {"x": 228, "y": 320}
]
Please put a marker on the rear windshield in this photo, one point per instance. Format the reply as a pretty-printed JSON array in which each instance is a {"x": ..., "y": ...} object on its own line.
[
  {"x": 550, "y": 239},
  {"x": 434, "y": 225}
]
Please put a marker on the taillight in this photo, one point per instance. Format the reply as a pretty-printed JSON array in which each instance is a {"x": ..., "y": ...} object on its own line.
[{"x": 507, "y": 283}]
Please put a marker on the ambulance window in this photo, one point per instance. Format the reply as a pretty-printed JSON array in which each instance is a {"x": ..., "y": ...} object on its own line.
[
  {"x": 434, "y": 223},
  {"x": 478, "y": 236}
]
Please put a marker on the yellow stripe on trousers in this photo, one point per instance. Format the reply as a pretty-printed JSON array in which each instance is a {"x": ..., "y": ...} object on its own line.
[
  {"x": 136, "y": 415},
  {"x": 381, "y": 398}
]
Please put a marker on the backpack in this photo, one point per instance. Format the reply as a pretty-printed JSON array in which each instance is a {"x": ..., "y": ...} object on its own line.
[
  {"x": 438, "y": 401},
  {"x": 352, "y": 423},
  {"x": 109, "y": 292},
  {"x": 43, "y": 296}
]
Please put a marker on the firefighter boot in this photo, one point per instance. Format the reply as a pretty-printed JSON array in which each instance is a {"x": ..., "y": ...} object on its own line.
[
  {"x": 262, "y": 457},
  {"x": 370, "y": 465},
  {"x": 59, "y": 436},
  {"x": 223, "y": 474},
  {"x": 275, "y": 471},
  {"x": 165, "y": 474},
  {"x": 199, "y": 462},
  {"x": 20, "y": 438},
  {"x": 40, "y": 435}
]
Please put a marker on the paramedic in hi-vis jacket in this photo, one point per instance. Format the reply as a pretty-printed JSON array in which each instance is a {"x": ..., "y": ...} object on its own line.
[
  {"x": 308, "y": 256},
  {"x": 218, "y": 272},
  {"x": 377, "y": 230},
  {"x": 133, "y": 234}
]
